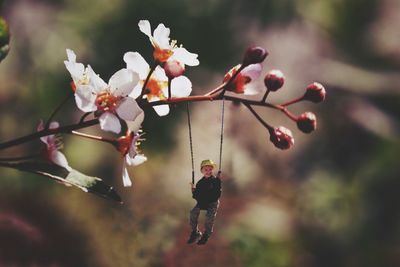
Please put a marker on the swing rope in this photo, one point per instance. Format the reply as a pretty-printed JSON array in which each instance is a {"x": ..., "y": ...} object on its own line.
[
  {"x": 222, "y": 135},
  {"x": 191, "y": 138}
]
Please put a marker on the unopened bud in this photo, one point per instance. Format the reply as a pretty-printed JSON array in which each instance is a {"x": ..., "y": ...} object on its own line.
[
  {"x": 282, "y": 138},
  {"x": 307, "y": 122},
  {"x": 174, "y": 68},
  {"x": 274, "y": 80},
  {"x": 315, "y": 92},
  {"x": 254, "y": 55}
]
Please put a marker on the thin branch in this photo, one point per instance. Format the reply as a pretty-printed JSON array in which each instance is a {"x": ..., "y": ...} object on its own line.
[
  {"x": 266, "y": 125},
  {"x": 58, "y": 109},
  {"x": 292, "y": 101},
  {"x": 21, "y": 158},
  {"x": 45, "y": 132},
  {"x": 84, "y": 117},
  {"x": 265, "y": 96}
]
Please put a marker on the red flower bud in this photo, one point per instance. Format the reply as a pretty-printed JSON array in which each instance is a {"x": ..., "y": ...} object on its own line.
[
  {"x": 254, "y": 55},
  {"x": 174, "y": 68},
  {"x": 274, "y": 80},
  {"x": 315, "y": 92},
  {"x": 282, "y": 138},
  {"x": 307, "y": 122}
]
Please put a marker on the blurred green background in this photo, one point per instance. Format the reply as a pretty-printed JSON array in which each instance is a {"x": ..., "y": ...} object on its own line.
[{"x": 332, "y": 200}]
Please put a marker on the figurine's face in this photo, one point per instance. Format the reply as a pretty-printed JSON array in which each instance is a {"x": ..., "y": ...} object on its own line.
[{"x": 207, "y": 171}]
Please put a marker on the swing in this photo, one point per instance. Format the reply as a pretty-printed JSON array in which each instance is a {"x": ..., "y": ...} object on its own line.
[{"x": 191, "y": 141}]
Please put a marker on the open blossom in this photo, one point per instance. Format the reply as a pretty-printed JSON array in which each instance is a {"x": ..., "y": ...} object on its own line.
[
  {"x": 164, "y": 49},
  {"x": 77, "y": 70},
  {"x": 110, "y": 99},
  {"x": 243, "y": 82},
  {"x": 158, "y": 83},
  {"x": 52, "y": 145},
  {"x": 128, "y": 146}
]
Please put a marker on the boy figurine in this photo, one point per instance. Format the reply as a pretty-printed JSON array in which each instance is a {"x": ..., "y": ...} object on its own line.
[{"x": 206, "y": 192}]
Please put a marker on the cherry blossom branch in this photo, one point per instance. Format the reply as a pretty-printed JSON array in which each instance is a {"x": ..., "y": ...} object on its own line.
[
  {"x": 21, "y": 158},
  {"x": 45, "y": 132}
]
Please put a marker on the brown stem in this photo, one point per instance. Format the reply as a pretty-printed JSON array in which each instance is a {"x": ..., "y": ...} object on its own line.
[
  {"x": 292, "y": 101},
  {"x": 84, "y": 117},
  {"x": 290, "y": 115},
  {"x": 265, "y": 96}
]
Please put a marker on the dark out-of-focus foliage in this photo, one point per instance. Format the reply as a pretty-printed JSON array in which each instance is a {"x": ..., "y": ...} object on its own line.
[{"x": 329, "y": 201}]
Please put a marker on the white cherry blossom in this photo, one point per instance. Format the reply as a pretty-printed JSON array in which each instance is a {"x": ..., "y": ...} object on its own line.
[
  {"x": 164, "y": 49},
  {"x": 157, "y": 84},
  {"x": 111, "y": 100}
]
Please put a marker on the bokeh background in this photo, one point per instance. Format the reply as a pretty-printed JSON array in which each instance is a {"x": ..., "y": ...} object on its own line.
[{"x": 331, "y": 200}]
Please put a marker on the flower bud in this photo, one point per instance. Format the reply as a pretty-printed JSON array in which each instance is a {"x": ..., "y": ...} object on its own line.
[
  {"x": 315, "y": 92},
  {"x": 282, "y": 138},
  {"x": 254, "y": 55},
  {"x": 174, "y": 68},
  {"x": 307, "y": 122},
  {"x": 274, "y": 80}
]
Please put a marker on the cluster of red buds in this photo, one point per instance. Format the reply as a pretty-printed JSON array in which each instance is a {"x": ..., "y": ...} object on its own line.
[{"x": 274, "y": 80}]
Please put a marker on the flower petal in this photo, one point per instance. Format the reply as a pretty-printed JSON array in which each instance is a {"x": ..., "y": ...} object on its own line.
[
  {"x": 126, "y": 180},
  {"x": 137, "y": 160},
  {"x": 184, "y": 56},
  {"x": 85, "y": 98},
  {"x": 58, "y": 158},
  {"x": 161, "y": 110},
  {"x": 109, "y": 122},
  {"x": 137, "y": 63},
  {"x": 95, "y": 81},
  {"x": 252, "y": 71},
  {"x": 76, "y": 70},
  {"x": 128, "y": 109},
  {"x": 144, "y": 26},
  {"x": 181, "y": 86},
  {"x": 135, "y": 125},
  {"x": 71, "y": 55},
  {"x": 159, "y": 74},
  {"x": 123, "y": 82},
  {"x": 252, "y": 89},
  {"x": 161, "y": 36}
]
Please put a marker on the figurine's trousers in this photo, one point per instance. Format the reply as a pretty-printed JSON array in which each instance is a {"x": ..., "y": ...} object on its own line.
[{"x": 210, "y": 217}]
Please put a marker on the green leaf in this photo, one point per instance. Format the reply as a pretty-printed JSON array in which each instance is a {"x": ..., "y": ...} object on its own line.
[
  {"x": 4, "y": 39},
  {"x": 70, "y": 178}
]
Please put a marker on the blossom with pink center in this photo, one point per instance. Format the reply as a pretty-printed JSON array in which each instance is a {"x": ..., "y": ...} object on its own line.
[
  {"x": 243, "y": 82},
  {"x": 111, "y": 100},
  {"x": 52, "y": 146},
  {"x": 128, "y": 146},
  {"x": 157, "y": 85},
  {"x": 164, "y": 49}
]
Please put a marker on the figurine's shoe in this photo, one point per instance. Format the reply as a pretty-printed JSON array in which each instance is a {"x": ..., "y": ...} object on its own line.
[
  {"x": 203, "y": 239},
  {"x": 194, "y": 236}
]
